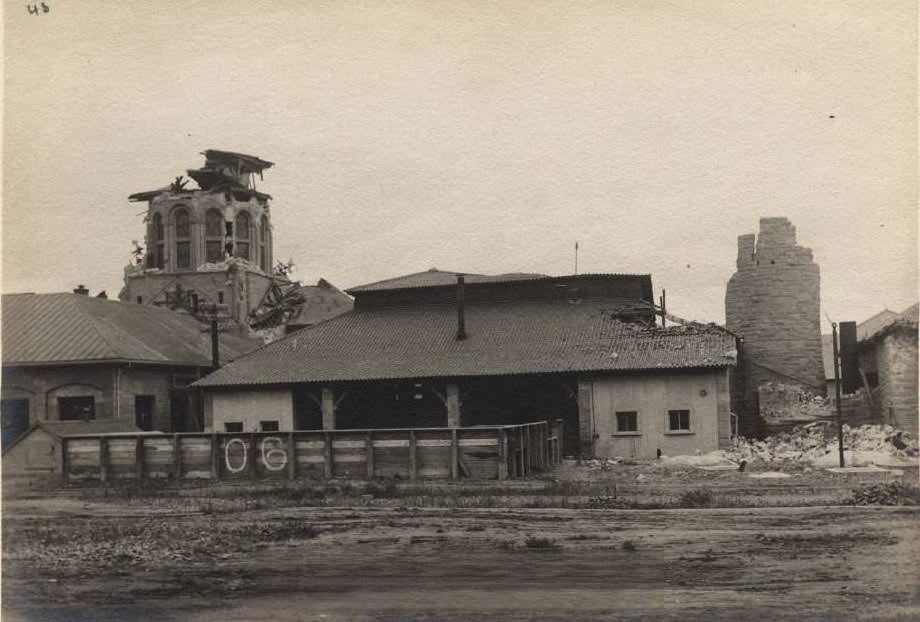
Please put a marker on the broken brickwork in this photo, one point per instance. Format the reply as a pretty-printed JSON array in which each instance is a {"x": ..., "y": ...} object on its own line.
[{"x": 773, "y": 302}]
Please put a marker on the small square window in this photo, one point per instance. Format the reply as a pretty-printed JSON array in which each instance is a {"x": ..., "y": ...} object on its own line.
[
  {"x": 233, "y": 426},
  {"x": 268, "y": 426},
  {"x": 628, "y": 421},
  {"x": 679, "y": 420}
]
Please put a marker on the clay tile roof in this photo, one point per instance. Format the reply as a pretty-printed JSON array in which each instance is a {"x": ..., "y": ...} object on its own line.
[
  {"x": 41, "y": 329},
  {"x": 321, "y": 302},
  {"x": 503, "y": 338}
]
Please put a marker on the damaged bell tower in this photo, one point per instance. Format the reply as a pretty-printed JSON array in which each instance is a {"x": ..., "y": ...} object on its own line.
[
  {"x": 773, "y": 303},
  {"x": 210, "y": 245}
]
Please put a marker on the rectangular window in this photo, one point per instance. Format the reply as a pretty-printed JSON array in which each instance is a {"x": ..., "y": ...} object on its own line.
[
  {"x": 143, "y": 411},
  {"x": 233, "y": 426},
  {"x": 77, "y": 408},
  {"x": 627, "y": 421},
  {"x": 242, "y": 250},
  {"x": 679, "y": 420},
  {"x": 213, "y": 251},
  {"x": 183, "y": 254},
  {"x": 268, "y": 426}
]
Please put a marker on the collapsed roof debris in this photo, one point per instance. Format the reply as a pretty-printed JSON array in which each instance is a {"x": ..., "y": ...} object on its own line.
[{"x": 223, "y": 171}]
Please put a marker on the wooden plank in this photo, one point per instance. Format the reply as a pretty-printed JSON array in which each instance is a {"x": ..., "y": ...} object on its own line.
[
  {"x": 139, "y": 457},
  {"x": 177, "y": 455},
  {"x": 413, "y": 456},
  {"x": 65, "y": 460},
  {"x": 502, "y": 455},
  {"x": 369, "y": 449},
  {"x": 454, "y": 455},
  {"x": 327, "y": 456},
  {"x": 103, "y": 459},
  {"x": 291, "y": 456},
  {"x": 328, "y": 408},
  {"x": 215, "y": 456}
]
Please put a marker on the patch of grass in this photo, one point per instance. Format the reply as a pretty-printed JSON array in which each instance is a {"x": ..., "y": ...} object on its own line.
[
  {"x": 540, "y": 543},
  {"x": 696, "y": 498},
  {"x": 890, "y": 493}
]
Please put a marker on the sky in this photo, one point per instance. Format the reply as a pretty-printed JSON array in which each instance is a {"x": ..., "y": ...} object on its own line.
[{"x": 476, "y": 136}]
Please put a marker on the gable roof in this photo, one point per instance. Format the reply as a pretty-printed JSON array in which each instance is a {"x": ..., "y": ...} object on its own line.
[
  {"x": 502, "y": 339},
  {"x": 58, "y": 328},
  {"x": 320, "y": 302},
  {"x": 436, "y": 278},
  {"x": 867, "y": 328}
]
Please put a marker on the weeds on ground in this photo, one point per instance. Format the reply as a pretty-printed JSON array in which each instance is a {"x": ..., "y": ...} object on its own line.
[
  {"x": 540, "y": 543},
  {"x": 629, "y": 545},
  {"x": 697, "y": 498},
  {"x": 890, "y": 493}
]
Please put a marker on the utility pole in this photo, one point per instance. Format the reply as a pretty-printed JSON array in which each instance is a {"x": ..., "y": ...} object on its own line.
[
  {"x": 837, "y": 385},
  {"x": 576, "y": 257}
]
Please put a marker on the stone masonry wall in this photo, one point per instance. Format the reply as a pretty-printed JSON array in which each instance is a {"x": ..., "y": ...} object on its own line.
[
  {"x": 773, "y": 302},
  {"x": 896, "y": 357}
]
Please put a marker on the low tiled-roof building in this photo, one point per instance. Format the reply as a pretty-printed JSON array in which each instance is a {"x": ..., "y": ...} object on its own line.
[
  {"x": 69, "y": 357},
  {"x": 422, "y": 351}
]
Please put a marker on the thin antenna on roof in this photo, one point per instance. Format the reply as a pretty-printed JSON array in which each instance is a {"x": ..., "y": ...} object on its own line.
[{"x": 576, "y": 256}]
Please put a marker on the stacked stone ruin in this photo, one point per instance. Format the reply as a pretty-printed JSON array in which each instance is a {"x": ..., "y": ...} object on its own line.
[{"x": 773, "y": 303}]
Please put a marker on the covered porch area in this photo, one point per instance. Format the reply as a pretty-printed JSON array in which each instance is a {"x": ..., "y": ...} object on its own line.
[{"x": 438, "y": 402}]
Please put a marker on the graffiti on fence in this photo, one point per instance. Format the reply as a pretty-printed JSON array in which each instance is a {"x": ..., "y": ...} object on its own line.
[{"x": 274, "y": 456}]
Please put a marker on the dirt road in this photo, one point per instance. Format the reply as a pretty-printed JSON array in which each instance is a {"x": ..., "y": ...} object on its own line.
[{"x": 332, "y": 564}]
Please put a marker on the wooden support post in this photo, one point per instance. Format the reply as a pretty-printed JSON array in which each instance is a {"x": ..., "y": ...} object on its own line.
[
  {"x": 502, "y": 454},
  {"x": 251, "y": 463},
  {"x": 453, "y": 405},
  {"x": 544, "y": 444},
  {"x": 413, "y": 456},
  {"x": 560, "y": 434},
  {"x": 369, "y": 451},
  {"x": 103, "y": 459},
  {"x": 177, "y": 455},
  {"x": 522, "y": 439},
  {"x": 215, "y": 456},
  {"x": 328, "y": 464},
  {"x": 328, "y": 407},
  {"x": 454, "y": 454},
  {"x": 139, "y": 457},
  {"x": 65, "y": 460},
  {"x": 291, "y": 456},
  {"x": 585, "y": 419}
]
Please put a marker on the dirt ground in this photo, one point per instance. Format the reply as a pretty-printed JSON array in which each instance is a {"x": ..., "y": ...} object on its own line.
[{"x": 206, "y": 554}]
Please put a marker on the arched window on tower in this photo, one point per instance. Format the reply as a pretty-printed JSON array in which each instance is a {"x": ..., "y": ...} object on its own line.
[
  {"x": 157, "y": 243},
  {"x": 183, "y": 239},
  {"x": 241, "y": 230},
  {"x": 264, "y": 237},
  {"x": 213, "y": 236}
]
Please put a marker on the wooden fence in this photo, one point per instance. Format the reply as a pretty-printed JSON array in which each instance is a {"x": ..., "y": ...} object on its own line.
[{"x": 482, "y": 452}]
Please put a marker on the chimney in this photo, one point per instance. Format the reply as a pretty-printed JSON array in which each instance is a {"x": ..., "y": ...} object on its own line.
[
  {"x": 850, "y": 377},
  {"x": 461, "y": 308},
  {"x": 81, "y": 290}
]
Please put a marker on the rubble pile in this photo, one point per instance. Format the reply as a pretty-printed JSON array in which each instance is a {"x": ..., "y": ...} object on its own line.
[{"x": 816, "y": 444}]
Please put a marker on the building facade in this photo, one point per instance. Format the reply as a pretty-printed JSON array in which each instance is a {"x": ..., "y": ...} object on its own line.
[
  {"x": 212, "y": 244},
  {"x": 70, "y": 357},
  {"x": 426, "y": 351}
]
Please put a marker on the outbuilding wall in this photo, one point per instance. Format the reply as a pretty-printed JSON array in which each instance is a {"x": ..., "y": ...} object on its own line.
[
  {"x": 651, "y": 396},
  {"x": 249, "y": 407}
]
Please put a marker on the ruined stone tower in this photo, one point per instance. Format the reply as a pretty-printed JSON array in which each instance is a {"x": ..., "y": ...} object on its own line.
[
  {"x": 773, "y": 302},
  {"x": 210, "y": 245}
]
